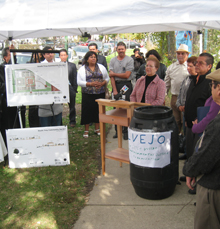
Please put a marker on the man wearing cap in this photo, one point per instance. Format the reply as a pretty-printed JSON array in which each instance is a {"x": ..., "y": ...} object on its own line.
[
  {"x": 175, "y": 74},
  {"x": 205, "y": 165}
]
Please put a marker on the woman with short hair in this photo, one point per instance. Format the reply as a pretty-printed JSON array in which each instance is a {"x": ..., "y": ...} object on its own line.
[{"x": 150, "y": 88}]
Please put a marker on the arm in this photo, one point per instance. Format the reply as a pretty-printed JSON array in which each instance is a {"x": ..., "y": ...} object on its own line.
[
  {"x": 73, "y": 76},
  {"x": 178, "y": 101},
  {"x": 81, "y": 77},
  {"x": 200, "y": 127},
  {"x": 167, "y": 80},
  {"x": 133, "y": 94},
  {"x": 207, "y": 156},
  {"x": 161, "y": 93},
  {"x": 115, "y": 92},
  {"x": 125, "y": 75}
]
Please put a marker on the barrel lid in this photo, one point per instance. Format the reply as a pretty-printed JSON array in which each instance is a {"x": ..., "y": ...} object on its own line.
[{"x": 153, "y": 112}]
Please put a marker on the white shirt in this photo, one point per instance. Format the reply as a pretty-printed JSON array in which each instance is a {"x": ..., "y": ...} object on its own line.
[{"x": 175, "y": 75}]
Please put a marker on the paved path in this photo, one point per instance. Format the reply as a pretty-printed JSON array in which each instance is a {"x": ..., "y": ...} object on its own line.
[{"x": 113, "y": 203}]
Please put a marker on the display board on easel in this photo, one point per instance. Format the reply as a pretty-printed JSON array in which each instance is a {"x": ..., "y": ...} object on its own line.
[
  {"x": 37, "y": 84},
  {"x": 38, "y": 147}
]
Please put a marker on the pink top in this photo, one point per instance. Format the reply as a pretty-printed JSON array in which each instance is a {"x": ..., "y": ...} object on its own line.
[{"x": 155, "y": 92}]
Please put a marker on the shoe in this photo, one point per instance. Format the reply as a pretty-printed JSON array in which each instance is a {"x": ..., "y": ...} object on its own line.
[
  {"x": 125, "y": 136},
  {"x": 183, "y": 157},
  {"x": 116, "y": 135},
  {"x": 192, "y": 192},
  {"x": 183, "y": 178},
  {"x": 97, "y": 132},
  {"x": 86, "y": 134},
  {"x": 72, "y": 125}
]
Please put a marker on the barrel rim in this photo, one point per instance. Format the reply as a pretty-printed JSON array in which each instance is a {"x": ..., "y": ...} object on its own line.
[{"x": 167, "y": 112}]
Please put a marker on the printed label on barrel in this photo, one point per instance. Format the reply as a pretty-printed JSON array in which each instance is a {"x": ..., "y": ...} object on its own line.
[{"x": 149, "y": 149}]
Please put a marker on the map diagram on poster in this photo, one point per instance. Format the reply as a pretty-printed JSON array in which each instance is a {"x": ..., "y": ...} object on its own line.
[
  {"x": 37, "y": 84},
  {"x": 37, "y": 147}
]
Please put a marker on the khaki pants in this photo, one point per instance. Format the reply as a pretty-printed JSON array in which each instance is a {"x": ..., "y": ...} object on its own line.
[
  {"x": 176, "y": 113},
  {"x": 207, "y": 208}
]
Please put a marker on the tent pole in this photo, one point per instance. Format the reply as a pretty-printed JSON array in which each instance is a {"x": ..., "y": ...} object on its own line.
[{"x": 200, "y": 49}]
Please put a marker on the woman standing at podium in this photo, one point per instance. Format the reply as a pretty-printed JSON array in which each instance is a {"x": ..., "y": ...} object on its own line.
[
  {"x": 150, "y": 88},
  {"x": 92, "y": 77}
]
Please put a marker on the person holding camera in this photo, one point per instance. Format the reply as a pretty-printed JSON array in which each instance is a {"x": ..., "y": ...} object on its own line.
[{"x": 138, "y": 61}]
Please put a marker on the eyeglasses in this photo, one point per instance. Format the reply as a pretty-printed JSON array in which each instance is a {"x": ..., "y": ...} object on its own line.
[
  {"x": 200, "y": 63},
  {"x": 181, "y": 53},
  {"x": 215, "y": 84}
]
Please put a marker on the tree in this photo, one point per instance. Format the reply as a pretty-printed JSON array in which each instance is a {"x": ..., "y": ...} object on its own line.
[{"x": 213, "y": 44}]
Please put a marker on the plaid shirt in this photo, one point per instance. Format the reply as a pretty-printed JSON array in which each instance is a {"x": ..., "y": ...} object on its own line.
[{"x": 155, "y": 92}]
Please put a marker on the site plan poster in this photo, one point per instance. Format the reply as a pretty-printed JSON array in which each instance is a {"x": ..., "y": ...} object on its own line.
[
  {"x": 38, "y": 147},
  {"x": 37, "y": 84}
]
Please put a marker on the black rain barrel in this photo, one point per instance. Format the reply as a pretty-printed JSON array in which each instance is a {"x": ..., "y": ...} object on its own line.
[{"x": 154, "y": 182}]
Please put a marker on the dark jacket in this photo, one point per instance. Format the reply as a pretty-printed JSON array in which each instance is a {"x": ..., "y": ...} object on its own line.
[
  {"x": 102, "y": 60},
  {"x": 137, "y": 62},
  {"x": 206, "y": 159},
  {"x": 161, "y": 72},
  {"x": 196, "y": 96},
  {"x": 72, "y": 74}
]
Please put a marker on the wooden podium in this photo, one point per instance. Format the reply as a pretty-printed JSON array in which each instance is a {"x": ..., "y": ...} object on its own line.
[{"x": 121, "y": 116}]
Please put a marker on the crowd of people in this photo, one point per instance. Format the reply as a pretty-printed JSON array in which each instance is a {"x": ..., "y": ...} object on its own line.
[{"x": 189, "y": 81}]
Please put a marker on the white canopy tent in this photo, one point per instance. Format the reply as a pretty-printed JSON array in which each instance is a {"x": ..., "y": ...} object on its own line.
[{"x": 43, "y": 18}]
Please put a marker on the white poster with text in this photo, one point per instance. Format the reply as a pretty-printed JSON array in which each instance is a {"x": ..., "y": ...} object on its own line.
[
  {"x": 37, "y": 84},
  {"x": 37, "y": 147},
  {"x": 149, "y": 149}
]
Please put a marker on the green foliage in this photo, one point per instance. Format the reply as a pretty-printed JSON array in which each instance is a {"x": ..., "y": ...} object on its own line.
[
  {"x": 101, "y": 37},
  {"x": 213, "y": 44},
  {"x": 160, "y": 40}
]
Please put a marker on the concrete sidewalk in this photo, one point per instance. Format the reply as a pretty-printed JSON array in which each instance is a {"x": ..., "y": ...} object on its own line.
[{"x": 113, "y": 203}]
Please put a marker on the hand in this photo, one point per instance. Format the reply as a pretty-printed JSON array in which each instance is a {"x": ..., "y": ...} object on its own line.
[
  {"x": 115, "y": 92},
  {"x": 12, "y": 47},
  {"x": 181, "y": 108},
  {"x": 195, "y": 122},
  {"x": 111, "y": 73},
  {"x": 96, "y": 84},
  {"x": 190, "y": 181}
]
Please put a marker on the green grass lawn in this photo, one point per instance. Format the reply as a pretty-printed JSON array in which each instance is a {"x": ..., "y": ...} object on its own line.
[{"x": 51, "y": 197}]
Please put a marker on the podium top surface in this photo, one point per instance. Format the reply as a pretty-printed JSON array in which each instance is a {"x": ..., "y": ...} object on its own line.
[{"x": 119, "y": 103}]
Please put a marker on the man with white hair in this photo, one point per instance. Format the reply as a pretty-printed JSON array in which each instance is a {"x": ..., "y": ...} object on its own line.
[{"x": 175, "y": 74}]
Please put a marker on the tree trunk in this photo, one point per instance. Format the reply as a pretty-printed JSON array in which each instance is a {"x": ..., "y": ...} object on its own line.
[
  {"x": 195, "y": 44},
  {"x": 171, "y": 46}
]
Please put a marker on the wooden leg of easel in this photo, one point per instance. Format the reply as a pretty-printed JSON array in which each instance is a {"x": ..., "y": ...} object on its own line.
[
  {"x": 102, "y": 138},
  {"x": 119, "y": 130}
]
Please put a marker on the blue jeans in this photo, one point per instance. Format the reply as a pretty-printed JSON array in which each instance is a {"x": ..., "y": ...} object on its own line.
[{"x": 55, "y": 120}]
